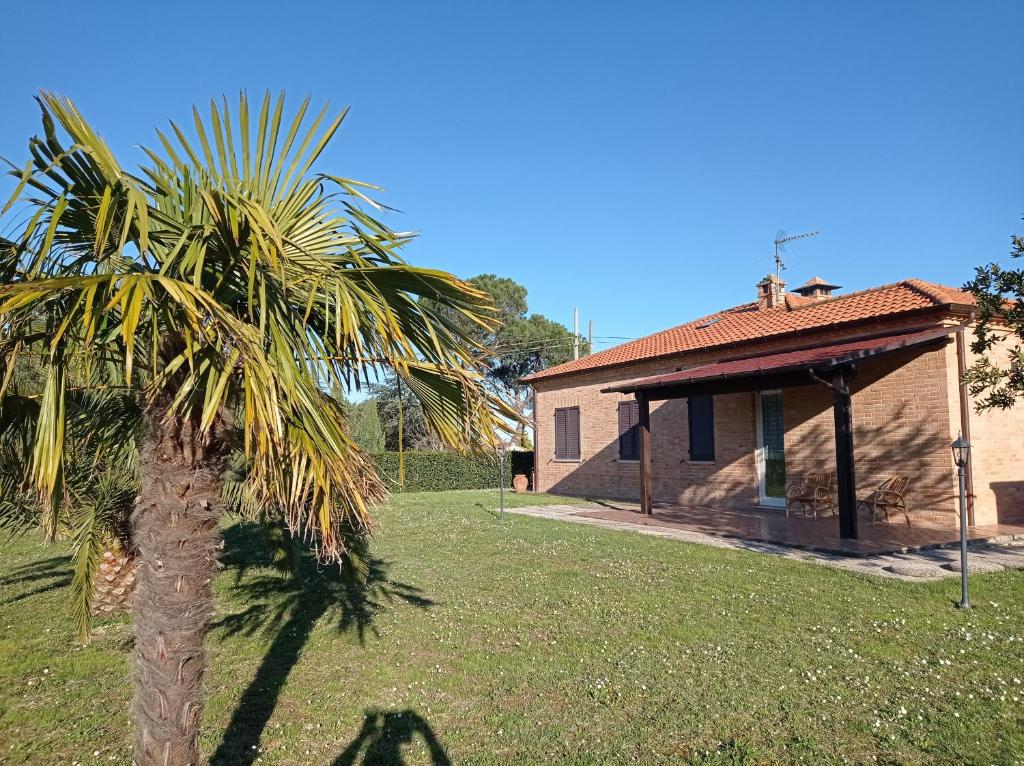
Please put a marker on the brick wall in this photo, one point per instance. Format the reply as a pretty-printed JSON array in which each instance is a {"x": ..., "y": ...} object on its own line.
[
  {"x": 901, "y": 425},
  {"x": 903, "y": 421},
  {"x": 997, "y": 455}
]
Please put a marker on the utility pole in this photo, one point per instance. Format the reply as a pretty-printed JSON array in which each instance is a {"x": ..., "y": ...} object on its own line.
[
  {"x": 590, "y": 338},
  {"x": 501, "y": 482},
  {"x": 575, "y": 333}
]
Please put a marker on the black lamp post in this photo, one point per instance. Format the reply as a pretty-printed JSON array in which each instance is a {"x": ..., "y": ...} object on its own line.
[{"x": 961, "y": 454}]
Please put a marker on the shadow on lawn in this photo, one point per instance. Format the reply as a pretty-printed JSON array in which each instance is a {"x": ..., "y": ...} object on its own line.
[
  {"x": 384, "y": 734},
  {"x": 47, "y": 574},
  {"x": 289, "y": 607},
  {"x": 490, "y": 511}
]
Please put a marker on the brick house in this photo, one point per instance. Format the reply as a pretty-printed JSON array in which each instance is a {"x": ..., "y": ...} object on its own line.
[{"x": 725, "y": 410}]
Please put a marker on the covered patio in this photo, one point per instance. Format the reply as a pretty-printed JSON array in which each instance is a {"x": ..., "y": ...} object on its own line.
[
  {"x": 808, "y": 533},
  {"x": 834, "y": 366}
]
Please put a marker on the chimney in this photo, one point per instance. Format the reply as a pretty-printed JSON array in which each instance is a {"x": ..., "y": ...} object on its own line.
[
  {"x": 771, "y": 292},
  {"x": 816, "y": 288}
]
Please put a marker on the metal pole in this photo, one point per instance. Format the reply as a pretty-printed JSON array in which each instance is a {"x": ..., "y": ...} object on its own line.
[
  {"x": 964, "y": 602},
  {"x": 401, "y": 433},
  {"x": 501, "y": 484},
  {"x": 575, "y": 333}
]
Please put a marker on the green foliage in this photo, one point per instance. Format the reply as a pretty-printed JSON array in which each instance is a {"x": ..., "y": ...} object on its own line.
[
  {"x": 529, "y": 344},
  {"x": 416, "y": 432},
  {"x": 99, "y": 519},
  {"x": 430, "y": 471},
  {"x": 517, "y": 345},
  {"x": 99, "y": 475},
  {"x": 998, "y": 383},
  {"x": 521, "y": 344},
  {"x": 508, "y": 296},
  {"x": 365, "y": 426}
]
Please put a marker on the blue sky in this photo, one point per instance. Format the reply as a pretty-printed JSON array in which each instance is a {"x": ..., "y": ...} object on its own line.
[{"x": 634, "y": 159}]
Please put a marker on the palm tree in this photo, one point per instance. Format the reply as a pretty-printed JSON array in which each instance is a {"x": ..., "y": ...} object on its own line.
[
  {"x": 99, "y": 486},
  {"x": 226, "y": 286}
]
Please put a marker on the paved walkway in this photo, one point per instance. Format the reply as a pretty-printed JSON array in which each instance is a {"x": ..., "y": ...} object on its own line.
[{"x": 929, "y": 564}]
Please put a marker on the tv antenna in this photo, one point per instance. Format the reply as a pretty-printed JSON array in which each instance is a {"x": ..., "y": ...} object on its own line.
[{"x": 781, "y": 240}]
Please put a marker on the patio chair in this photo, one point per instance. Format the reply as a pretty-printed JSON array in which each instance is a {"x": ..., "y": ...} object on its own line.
[
  {"x": 814, "y": 493},
  {"x": 890, "y": 496}
]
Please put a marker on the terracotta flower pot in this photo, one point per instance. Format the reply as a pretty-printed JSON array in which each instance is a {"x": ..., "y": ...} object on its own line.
[{"x": 520, "y": 482}]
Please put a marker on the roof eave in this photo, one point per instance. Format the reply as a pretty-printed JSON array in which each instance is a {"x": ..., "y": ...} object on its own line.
[
  {"x": 817, "y": 366},
  {"x": 958, "y": 309}
]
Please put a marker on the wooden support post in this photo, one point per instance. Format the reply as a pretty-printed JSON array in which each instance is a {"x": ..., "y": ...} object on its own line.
[
  {"x": 845, "y": 475},
  {"x": 644, "y": 428}
]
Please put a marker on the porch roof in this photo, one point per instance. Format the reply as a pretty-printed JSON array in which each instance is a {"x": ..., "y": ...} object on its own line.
[{"x": 783, "y": 368}]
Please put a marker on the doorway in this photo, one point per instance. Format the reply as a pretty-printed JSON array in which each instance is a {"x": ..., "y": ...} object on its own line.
[{"x": 771, "y": 449}]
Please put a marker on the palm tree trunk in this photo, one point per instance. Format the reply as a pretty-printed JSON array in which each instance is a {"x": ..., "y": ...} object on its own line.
[
  {"x": 114, "y": 583},
  {"x": 175, "y": 528}
]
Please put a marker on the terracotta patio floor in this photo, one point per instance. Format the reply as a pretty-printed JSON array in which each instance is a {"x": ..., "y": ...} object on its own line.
[{"x": 822, "y": 534}]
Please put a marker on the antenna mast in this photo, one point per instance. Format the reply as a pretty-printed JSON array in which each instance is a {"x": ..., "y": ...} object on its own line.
[{"x": 780, "y": 247}]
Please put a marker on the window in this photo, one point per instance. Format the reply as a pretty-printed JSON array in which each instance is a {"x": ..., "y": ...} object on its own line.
[
  {"x": 701, "y": 415},
  {"x": 629, "y": 433},
  {"x": 567, "y": 433}
]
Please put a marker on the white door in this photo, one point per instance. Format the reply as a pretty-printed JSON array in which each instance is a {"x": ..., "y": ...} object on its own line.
[{"x": 771, "y": 452}]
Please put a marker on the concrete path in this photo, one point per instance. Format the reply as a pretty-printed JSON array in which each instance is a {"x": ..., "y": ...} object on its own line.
[{"x": 921, "y": 565}]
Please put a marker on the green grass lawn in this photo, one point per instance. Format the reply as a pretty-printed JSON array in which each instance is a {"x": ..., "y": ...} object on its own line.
[{"x": 536, "y": 641}]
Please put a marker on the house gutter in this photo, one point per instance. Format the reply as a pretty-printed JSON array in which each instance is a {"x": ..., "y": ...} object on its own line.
[{"x": 965, "y": 414}]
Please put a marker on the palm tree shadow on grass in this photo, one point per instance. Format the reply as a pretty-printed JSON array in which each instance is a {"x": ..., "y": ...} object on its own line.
[
  {"x": 384, "y": 734},
  {"x": 289, "y": 607},
  {"x": 47, "y": 574}
]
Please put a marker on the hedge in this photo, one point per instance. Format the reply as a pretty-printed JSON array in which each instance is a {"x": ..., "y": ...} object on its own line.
[{"x": 439, "y": 471}]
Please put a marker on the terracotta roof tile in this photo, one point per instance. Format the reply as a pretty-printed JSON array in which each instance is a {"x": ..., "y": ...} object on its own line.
[
  {"x": 826, "y": 356},
  {"x": 748, "y": 323}
]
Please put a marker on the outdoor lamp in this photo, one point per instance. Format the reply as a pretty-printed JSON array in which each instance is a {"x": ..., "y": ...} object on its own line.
[{"x": 961, "y": 451}]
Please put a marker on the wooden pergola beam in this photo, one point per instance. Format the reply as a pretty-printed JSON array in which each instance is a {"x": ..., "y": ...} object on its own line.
[
  {"x": 846, "y": 480},
  {"x": 644, "y": 428},
  {"x": 728, "y": 386}
]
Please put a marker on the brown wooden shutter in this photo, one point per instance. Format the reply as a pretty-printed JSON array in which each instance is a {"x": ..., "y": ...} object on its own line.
[
  {"x": 629, "y": 445},
  {"x": 560, "y": 442},
  {"x": 567, "y": 433},
  {"x": 572, "y": 432},
  {"x": 634, "y": 408},
  {"x": 701, "y": 417}
]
